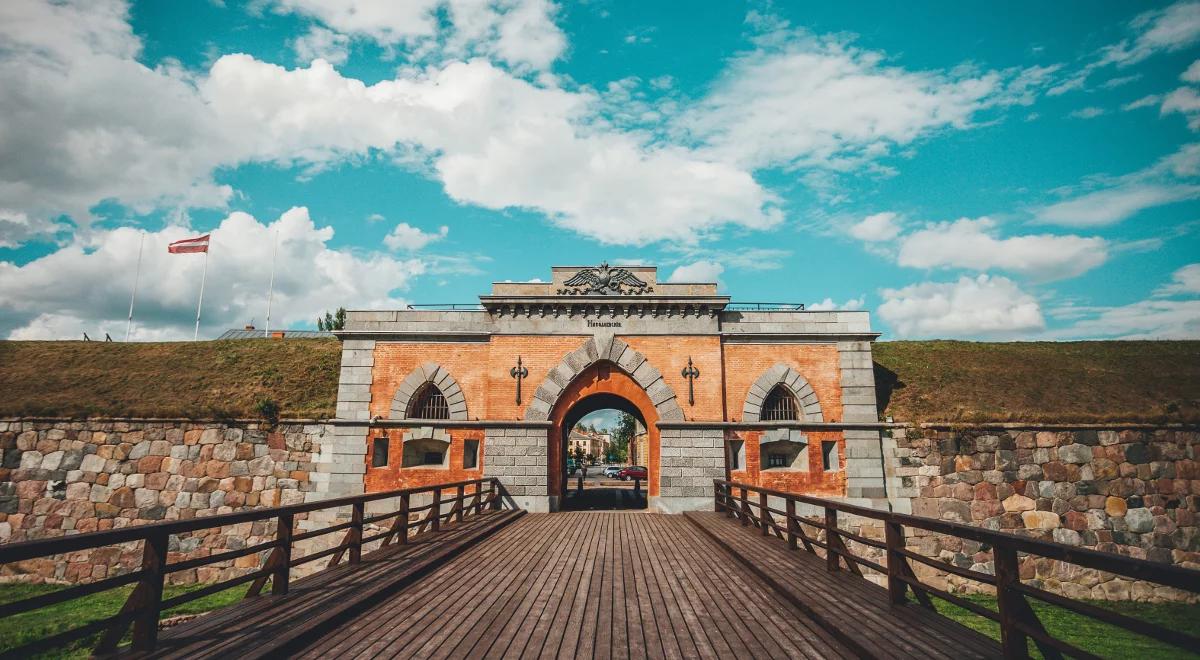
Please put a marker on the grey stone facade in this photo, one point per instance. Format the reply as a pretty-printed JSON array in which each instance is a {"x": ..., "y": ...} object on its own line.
[
  {"x": 517, "y": 456},
  {"x": 691, "y": 460},
  {"x": 864, "y": 455}
]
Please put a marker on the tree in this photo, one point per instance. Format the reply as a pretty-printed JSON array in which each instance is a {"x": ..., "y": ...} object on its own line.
[
  {"x": 626, "y": 428},
  {"x": 331, "y": 322}
]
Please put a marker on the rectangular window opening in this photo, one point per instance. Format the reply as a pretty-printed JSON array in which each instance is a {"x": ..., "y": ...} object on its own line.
[
  {"x": 379, "y": 452},
  {"x": 737, "y": 450},
  {"x": 776, "y": 460},
  {"x": 470, "y": 454},
  {"x": 433, "y": 458},
  {"x": 829, "y": 455}
]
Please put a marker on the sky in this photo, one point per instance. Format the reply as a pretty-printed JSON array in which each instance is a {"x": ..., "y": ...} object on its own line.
[{"x": 1005, "y": 171}]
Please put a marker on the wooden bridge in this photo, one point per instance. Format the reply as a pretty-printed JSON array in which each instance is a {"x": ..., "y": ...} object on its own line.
[{"x": 466, "y": 575}]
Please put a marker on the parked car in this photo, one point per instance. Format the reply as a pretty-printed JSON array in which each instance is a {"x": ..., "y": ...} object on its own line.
[
  {"x": 632, "y": 472},
  {"x": 612, "y": 470}
]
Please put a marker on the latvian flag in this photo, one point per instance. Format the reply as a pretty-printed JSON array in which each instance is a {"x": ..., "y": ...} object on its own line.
[{"x": 188, "y": 245}]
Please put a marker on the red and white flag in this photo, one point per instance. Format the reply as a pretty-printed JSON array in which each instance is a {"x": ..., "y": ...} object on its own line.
[{"x": 189, "y": 245}]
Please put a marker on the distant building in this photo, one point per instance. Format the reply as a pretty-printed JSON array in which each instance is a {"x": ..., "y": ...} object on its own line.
[
  {"x": 595, "y": 444},
  {"x": 250, "y": 332}
]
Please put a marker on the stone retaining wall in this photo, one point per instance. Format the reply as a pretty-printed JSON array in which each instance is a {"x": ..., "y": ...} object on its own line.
[
  {"x": 1134, "y": 492},
  {"x": 64, "y": 477}
]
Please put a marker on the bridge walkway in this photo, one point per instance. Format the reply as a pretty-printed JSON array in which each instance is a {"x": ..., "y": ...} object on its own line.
[{"x": 582, "y": 584}]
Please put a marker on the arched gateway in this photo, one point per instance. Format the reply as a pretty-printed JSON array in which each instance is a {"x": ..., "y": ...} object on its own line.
[{"x": 768, "y": 394}]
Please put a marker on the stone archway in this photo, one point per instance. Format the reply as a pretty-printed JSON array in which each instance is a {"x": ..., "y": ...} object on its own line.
[
  {"x": 430, "y": 372},
  {"x": 609, "y": 367},
  {"x": 790, "y": 379}
]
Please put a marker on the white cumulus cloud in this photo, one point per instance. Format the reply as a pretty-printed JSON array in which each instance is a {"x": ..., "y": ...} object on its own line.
[
  {"x": 981, "y": 307},
  {"x": 408, "y": 238},
  {"x": 700, "y": 271},
  {"x": 877, "y": 227},
  {"x": 973, "y": 244},
  {"x": 1112, "y": 205},
  {"x": 322, "y": 43},
  {"x": 1185, "y": 281},
  {"x": 85, "y": 285}
]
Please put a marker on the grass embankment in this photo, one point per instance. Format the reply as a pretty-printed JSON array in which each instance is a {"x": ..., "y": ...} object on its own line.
[
  {"x": 177, "y": 379},
  {"x": 1102, "y": 639},
  {"x": 1053, "y": 382},
  {"x": 917, "y": 381},
  {"x": 38, "y": 624}
]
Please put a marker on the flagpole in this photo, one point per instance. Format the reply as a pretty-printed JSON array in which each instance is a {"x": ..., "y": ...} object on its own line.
[
  {"x": 271, "y": 290},
  {"x": 203, "y": 276},
  {"x": 137, "y": 275}
]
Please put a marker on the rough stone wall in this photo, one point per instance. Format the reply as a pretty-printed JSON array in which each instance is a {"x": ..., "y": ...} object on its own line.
[
  {"x": 1130, "y": 492},
  {"x": 65, "y": 477}
]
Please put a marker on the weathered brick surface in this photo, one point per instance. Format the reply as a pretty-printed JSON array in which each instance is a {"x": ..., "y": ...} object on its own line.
[
  {"x": 811, "y": 481},
  {"x": 68, "y": 477},
  {"x": 818, "y": 363}
]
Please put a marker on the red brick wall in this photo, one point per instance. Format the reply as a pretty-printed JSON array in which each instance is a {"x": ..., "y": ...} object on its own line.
[
  {"x": 393, "y": 476},
  {"x": 670, "y": 355},
  {"x": 818, "y": 363},
  {"x": 813, "y": 481}
]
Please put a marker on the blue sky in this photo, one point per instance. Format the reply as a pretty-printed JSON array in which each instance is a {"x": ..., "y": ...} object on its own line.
[{"x": 1017, "y": 171}]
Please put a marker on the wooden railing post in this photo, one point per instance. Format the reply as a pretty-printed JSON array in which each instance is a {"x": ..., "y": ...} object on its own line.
[
  {"x": 461, "y": 502},
  {"x": 154, "y": 562},
  {"x": 745, "y": 507},
  {"x": 356, "y": 532},
  {"x": 894, "y": 537},
  {"x": 831, "y": 526},
  {"x": 763, "y": 516},
  {"x": 403, "y": 519},
  {"x": 478, "y": 497},
  {"x": 792, "y": 525},
  {"x": 1013, "y": 642},
  {"x": 727, "y": 493},
  {"x": 495, "y": 493},
  {"x": 435, "y": 510},
  {"x": 283, "y": 537},
  {"x": 716, "y": 496}
]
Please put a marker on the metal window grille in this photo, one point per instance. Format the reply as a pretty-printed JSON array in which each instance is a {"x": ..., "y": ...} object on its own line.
[
  {"x": 779, "y": 406},
  {"x": 430, "y": 403},
  {"x": 776, "y": 460}
]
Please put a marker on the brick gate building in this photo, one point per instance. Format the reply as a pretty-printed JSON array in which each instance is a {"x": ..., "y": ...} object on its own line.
[{"x": 768, "y": 394}]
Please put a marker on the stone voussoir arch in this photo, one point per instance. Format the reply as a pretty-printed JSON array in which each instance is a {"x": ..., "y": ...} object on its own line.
[
  {"x": 430, "y": 372},
  {"x": 604, "y": 349},
  {"x": 798, "y": 385}
]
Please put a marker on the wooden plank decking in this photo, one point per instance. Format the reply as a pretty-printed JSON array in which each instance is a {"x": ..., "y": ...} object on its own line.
[
  {"x": 581, "y": 584},
  {"x": 856, "y": 609}
]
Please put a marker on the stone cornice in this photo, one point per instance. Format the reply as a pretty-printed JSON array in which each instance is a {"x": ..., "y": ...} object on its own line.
[
  {"x": 442, "y": 423},
  {"x": 763, "y": 426},
  {"x": 384, "y": 335},
  {"x": 795, "y": 337}
]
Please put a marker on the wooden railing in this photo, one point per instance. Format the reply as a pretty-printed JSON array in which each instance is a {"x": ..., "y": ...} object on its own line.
[
  {"x": 145, "y": 604},
  {"x": 1017, "y": 619}
]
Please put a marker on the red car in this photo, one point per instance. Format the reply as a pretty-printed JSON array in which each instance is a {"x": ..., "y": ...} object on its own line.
[{"x": 632, "y": 472}]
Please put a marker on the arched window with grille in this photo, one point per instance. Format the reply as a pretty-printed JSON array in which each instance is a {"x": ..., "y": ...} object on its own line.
[
  {"x": 779, "y": 405},
  {"x": 429, "y": 403}
]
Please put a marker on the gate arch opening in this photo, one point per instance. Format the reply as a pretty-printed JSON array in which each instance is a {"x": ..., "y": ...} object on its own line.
[{"x": 601, "y": 386}]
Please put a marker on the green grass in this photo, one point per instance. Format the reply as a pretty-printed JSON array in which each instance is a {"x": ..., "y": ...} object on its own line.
[
  {"x": 179, "y": 379},
  {"x": 1053, "y": 382},
  {"x": 916, "y": 381},
  {"x": 29, "y": 626},
  {"x": 1102, "y": 639}
]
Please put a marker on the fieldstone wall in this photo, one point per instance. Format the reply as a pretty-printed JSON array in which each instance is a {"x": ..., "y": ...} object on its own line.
[
  {"x": 1134, "y": 492},
  {"x": 71, "y": 476}
]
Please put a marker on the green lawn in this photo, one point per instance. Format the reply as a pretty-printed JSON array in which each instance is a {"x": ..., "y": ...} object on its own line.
[
  {"x": 24, "y": 628},
  {"x": 1102, "y": 639}
]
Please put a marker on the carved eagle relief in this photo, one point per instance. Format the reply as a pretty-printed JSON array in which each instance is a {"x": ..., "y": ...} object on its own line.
[{"x": 604, "y": 281}]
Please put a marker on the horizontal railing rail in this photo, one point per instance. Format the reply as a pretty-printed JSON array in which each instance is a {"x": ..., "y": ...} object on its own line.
[
  {"x": 145, "y": 604},
  {"x": 764, "y": 307},
  {"x": 1017, "y": 620}
]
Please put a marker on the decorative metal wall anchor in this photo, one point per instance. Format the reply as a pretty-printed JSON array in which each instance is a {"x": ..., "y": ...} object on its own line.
[
  {"x": 691, "y": 373},
  {"x": 519, "y": 372}
]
